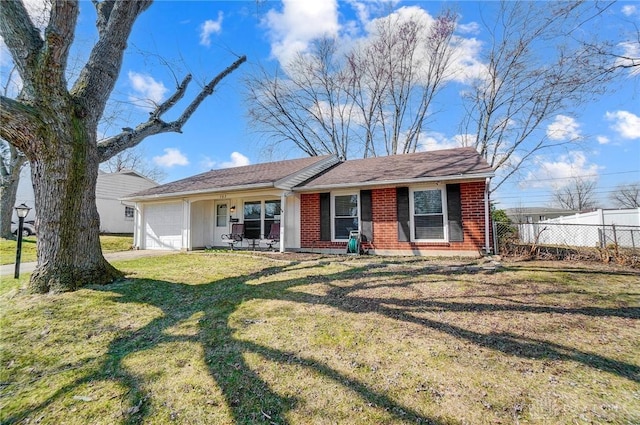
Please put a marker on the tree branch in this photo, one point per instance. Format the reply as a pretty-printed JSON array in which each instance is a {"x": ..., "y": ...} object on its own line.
[
  {"x": 22, "y": 38},
  {"x": 16, "y": 120},
  {"x": 58, "y": 38},
  {"x": 111, "y": 146},
  {"x": 98, "y": 77}
]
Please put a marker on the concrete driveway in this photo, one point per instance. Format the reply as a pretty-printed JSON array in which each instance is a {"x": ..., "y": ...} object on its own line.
[{"x": 9, "y": 269}]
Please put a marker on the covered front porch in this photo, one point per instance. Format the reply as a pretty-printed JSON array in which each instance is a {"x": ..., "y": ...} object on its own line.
[{"x": 204, "y": 221}]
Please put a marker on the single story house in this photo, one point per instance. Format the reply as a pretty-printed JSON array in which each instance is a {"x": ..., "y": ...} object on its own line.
[{"x": 426, "y": 203}]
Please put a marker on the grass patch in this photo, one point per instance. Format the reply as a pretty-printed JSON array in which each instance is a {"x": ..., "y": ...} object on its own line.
[
  {"x": 110, "y": 243},
  {"x": 238, "y": 339}
]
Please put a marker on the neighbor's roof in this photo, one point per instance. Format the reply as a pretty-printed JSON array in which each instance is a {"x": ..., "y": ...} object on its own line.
[
  {"x": 281, "y": 174},
  {"x": 447, "y": 164}
]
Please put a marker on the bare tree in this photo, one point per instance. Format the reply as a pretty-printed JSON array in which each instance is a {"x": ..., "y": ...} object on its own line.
[
  {"x": 577, "y": 196},
  {"x": 532, "y": 74},
  {"x": 56, "y": 128},
  {"x": 12, "y": 162},
  {"x": 133, "y": 159},
  {"x": 626, "y": 195},
  {"x": 10, "y": 168},
  {"x": 372, "y": 99}
]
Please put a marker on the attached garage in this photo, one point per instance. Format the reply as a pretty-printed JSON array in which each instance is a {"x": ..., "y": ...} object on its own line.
[{"x": 163, "y": 226}]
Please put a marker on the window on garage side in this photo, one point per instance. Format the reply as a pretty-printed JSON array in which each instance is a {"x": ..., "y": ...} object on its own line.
[
  {"x": 345, "y": 215},
  {"x": 428, "y": 215},
  {"x": 252, "y": 219},
  {"x": 128, "y": 213}
]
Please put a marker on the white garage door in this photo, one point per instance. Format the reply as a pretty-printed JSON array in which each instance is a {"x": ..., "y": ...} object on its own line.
[{"x": 163, "y": 226}]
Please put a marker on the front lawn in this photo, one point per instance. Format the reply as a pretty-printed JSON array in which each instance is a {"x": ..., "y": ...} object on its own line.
[
  {"x": 221, "y": 338},
  {"x": 109, "y": 243}
]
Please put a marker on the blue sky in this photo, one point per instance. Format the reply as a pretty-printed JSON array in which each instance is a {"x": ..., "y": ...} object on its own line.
[{"x": 173, "y": 38}]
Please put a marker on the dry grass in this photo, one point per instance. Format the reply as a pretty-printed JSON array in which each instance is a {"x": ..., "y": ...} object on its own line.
[
  {"x": 109, "y": 243},
  {"x": 220, "y": 338}
]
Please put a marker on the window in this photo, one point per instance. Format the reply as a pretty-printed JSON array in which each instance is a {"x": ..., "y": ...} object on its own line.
[
  {"x": 428, "y": 215},
  {"x": 252, "y": 218},
  {"x": 272, "y": 213},
  {"x": 128, "y": 213},
  {"x": 221, "y": 215},
  {"x": 345, "y": 215},
  {"x": 259, "y": 216}
]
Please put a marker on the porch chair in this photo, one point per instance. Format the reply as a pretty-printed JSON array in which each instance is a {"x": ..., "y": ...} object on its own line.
[
  {"x": 236, "y": 235},
  {"x": 274, "y": 236}
]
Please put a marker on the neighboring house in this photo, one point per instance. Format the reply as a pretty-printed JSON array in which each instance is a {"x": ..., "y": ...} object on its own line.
[
  {"x": 115, "y": 216},
  {"x": 535, "y": 214},
  {"x": 428, "y": 203}
]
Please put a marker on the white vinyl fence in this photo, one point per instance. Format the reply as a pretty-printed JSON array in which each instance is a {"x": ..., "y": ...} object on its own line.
[{"x": 601, "y": 228}]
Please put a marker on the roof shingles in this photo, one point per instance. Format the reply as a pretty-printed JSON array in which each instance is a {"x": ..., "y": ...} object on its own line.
[
  {"x": 446, "y": 164},
  {"x": 264, "y": 174}
]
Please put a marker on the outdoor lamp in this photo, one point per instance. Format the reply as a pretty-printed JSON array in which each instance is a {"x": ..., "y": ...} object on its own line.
[
  {"x": 232, "y": 210},
  {"x": 22, "y": 211}
]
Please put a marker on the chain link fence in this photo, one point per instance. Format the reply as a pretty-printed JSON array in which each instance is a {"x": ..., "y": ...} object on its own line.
[{"x": 619, "y": 243}]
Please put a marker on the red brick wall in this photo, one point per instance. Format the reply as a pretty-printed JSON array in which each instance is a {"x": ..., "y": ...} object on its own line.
[{"x": 385, "y": 225}]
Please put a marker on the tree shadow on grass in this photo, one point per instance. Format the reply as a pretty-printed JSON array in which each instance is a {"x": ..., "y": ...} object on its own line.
[{"x": 251, "y": 399}]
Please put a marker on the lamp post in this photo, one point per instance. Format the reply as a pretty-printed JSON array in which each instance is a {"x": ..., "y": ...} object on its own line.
[{"x": 22, "y": 211}]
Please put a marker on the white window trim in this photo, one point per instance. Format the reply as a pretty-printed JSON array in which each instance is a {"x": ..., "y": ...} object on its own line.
[
  {"x": 263, "y": 212},
  {"x": 445, "y": 218},
  {"x": 333, "y": 213}
]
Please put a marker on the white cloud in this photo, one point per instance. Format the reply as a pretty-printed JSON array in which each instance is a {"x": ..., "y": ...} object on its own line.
[
  {"x": 470, "y": 28},
  {"x": 626, "y": 124},
  {"x": 629, "y": 10},
  {"x": 206, "y": 163},
  {"x": 603, "y": 140},
  {"x": 436, "y": 141},
  {"x": 629, "y": 57},
  {"x": 563, "y": 128},
  {"x": 237, "y": 160},
  {"x": 559, "y": 172},
  {"x": 171, "y": 158},
  {"x": 298, "y": 24},
  {"x": 366, "y": 9},
  {"x": 210, "y": 27},
  {"x": 147, "y": 91}
]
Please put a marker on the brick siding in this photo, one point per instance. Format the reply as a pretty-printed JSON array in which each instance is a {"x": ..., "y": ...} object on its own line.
[{"x": 385, "y": 225}]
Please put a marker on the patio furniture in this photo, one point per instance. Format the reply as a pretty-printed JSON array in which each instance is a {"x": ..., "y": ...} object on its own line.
[
  {"x": 274, "y": 236},
  {"x": 236, "y": 235}
]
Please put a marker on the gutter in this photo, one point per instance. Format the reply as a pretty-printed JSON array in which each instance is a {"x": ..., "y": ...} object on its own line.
[
  {"x": 487, "y": 219},
  {"x": 394, "y": 182},
  {"x": 269, "y": 185}
]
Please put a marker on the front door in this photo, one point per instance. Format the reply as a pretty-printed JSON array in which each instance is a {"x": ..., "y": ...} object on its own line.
[{"x": 222, "y": 222}]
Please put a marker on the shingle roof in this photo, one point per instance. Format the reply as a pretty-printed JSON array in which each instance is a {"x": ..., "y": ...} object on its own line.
[
  {"x": 249, "y": 176},
  {"x": 447, "y": 164}
]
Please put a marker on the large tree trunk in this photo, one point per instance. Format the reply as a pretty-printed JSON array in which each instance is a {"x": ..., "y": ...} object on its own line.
[{"x": 69, "y": 251}]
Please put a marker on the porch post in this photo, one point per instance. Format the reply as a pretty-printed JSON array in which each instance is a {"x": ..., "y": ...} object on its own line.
[{"x": 283, "y": 200}]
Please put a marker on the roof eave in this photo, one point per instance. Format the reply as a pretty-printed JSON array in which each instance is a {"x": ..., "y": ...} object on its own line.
[
  {"x": 198, "y": 192},
  {"x": 412, "y": 181}
]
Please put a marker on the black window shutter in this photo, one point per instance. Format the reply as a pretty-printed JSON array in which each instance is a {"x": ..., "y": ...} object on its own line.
[
  {"x": 325, "y": 216},
  {"x": 454, "y": 212},
  {"x": 402, "y": 199},
  {"x": 366, "y": 215}
]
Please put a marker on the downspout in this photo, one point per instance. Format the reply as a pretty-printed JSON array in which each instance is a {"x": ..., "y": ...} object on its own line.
[
  {"x": 487, "y": 219},
  {"x": 283, "y": 199}
]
